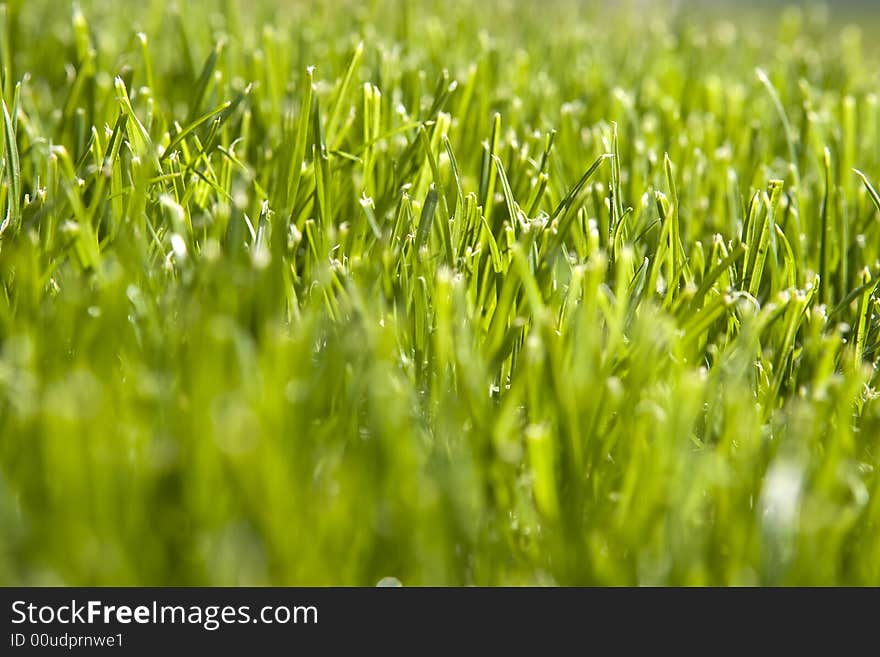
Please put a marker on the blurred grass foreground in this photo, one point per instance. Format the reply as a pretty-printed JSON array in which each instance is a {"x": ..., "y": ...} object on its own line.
[{"x": 454, "y": 293}]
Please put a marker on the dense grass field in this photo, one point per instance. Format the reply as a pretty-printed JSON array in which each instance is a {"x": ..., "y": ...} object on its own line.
[{"x": 457, "y": 293}]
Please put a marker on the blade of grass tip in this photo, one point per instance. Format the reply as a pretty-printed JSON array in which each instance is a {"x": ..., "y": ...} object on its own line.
[
  {"x": 114, "y": 171},
  {"x": 537, "y": 194},
  {"x": 91, "y": 152},
  {"x": 148, "y": 64},
  {"x": 441, "y": 193},
  {"x": 341, "y": 97},
  {"x": 616, "y": 204},
  {"x": 202, "y": 153},
  {"x": 377, "y": 137},
  {"x": 459, "y": 224},
  {"x": 789, "y": 265},
  {"x": 774, "y": 199},
  {"x": 497, "y": 346},
  {"x": 302, "y": 133},
  {"x": 696, "y": 324},
  {"x": 86, "y": 239},
  {"x": 748, "y": 225},
  {"x": 761, "y": 253},
  {"x": 494, "y": 251},
  {"x": 107, "y": 164},
  {"x": 545, "y": 155},
  {"x": 472, "y": 235},
  {"x": 13, "y": 175},
  {"x": 441, "y": 94},
  {"x": 456, "y": 176},
  {"x": 852, "y": 296},
  {"x": 574, "y": 191},
  {"x": 140, "y": 140},
  {"x": 371, "y": 100},
  {"x": 790, "y": 136},
  {"x": 864, "y": 308},
  {"x": 212, "y": 139},
  {"x": 676, "y": 247},
  {"x": 796, "y": 307},
  {"x": 848, "y": 151},
  {"x": 261, "y": 236},
  {"x": 823, "y": 235},
  {"x": 402, "y": 220},
  {"x": 425, "y": 141},
  {"x": 421, "y": 322},
  {"x": 80, "y": 144},
  {"x": 841, "y": 231},
  {"x": 557, "y": 238},
  {"x": 314, "y": 239},
  {"x": 512, "y": 208},
  {"x": 321, "y": 161},
  {"x": 636, "y": 290},
  {"x": 875, "y": 197},
  {"x": 16, "y": 103},
  {"x": 662, "y": 255},
  {"x": 618, "y": 236},
  {"x": 520, "y": 262},
  {"x": 487, "y": 193},
  {"x": 426, "y": 217},
  {"x": 194, "y": 125},
  {"x": 203, "y": 81},
  {"x": 647, "y": 229},
  {"x": 5, "y": 55},
  {"x": 236, "y": 103},
  {"x": 714, "y": 274},
  {"x": 181, "y": 224},
  {"x": 751, "y": 239},
  {"x": 81, "y": 35}
]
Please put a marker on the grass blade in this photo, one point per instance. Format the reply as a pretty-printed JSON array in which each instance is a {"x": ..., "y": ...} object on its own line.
[{"x": 13, "y": 175}]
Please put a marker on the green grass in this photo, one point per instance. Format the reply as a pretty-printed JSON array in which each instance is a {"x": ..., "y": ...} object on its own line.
[{"x": 496, "y": 294}]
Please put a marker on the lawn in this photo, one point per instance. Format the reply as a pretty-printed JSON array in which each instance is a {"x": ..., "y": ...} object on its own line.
[{"x": 494, "y": 293}]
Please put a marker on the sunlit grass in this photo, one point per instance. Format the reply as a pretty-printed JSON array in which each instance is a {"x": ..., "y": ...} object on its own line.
[{"x": 497, "y": 294}]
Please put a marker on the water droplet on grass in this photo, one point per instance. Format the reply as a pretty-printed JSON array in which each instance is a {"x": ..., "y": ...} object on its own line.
[{"x": 391, "y": 582}]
